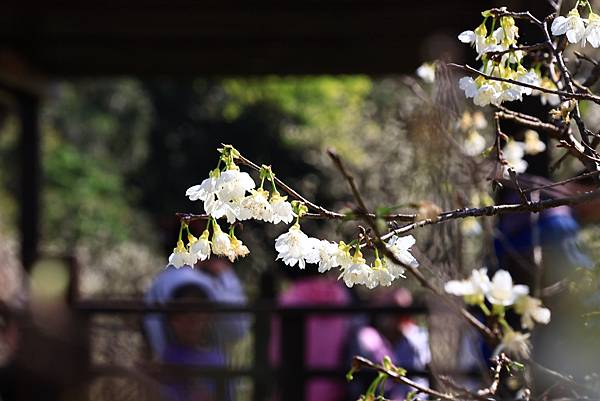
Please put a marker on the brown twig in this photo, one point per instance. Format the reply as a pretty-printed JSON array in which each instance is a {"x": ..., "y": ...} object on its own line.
[
  {"x": 413, "y": 271},
  {"x": 534, "y": 207},
  {"x": 359, "y": 362}
]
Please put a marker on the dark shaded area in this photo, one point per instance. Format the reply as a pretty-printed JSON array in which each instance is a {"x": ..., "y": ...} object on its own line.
[{"x": 150, "y": 38}]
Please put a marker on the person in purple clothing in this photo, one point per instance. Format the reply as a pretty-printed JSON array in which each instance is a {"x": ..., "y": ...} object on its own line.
[{"x": 190, "y": 338}]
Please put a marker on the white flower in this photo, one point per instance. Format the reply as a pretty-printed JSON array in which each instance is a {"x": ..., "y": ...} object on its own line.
[
  {"x": 221, "y": 243},
  {"x": 232, "y": 185},
  {"x": 282, "y": 209},
  {"x": 358, "y": 272},
  {"x": 181, "y": 257},
  {"x": 222, "y": 194},
  {"x": 531, "y": 310},
  {"x": 427, "y": 72},
  {"x": 237, "y": 249},
  {"x": 218, "y": 209},
  {"x": 502, "y": 291},
  {"x": 202, "y": 191},
  {"x": 548, "y": 98},
  {"x": 293, "y": 247},
  {"x": 515, "y": 343},
  {"x": 473, "y": 289},
  {"x": 380, "y": 275},
  {"x": 256, "y": 206},
  {"x": 527, "y": 77},
  {"x": 474, "y": 144},
  {"x": 573, "y": 25},
  {"x": 200, "y": 247},
  {"x": 469, "y": 85},
  {"x": 327, "y": 254},
  {"x": 476, "y": 38},
  {"x": 533, "y": 145},
  {"x": 394, "y": 269},
  {"x": 467, "y": 37},
  {"x": 400, "y": 247},
  {"x": 488, "y": 92},
  {"x": 513, "y": 153},
  {"x": 509, "y": 32},
  {"x": 470, "y": 227},
  {"x": 592, "y": 32}
]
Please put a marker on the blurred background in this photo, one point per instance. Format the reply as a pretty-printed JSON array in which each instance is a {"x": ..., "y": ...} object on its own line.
[{"x": 109, "y": 112}]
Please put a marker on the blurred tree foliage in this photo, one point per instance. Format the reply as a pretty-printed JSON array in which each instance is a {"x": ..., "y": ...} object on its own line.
[{"x": 119, "y": 154}]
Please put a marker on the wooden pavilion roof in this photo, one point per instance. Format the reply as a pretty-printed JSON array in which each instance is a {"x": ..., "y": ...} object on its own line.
[{"x": 152, "y": 38}]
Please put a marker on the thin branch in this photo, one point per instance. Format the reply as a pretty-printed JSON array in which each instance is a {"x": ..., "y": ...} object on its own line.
[
  {"x": 413, "y": 271},
  {"x": 291, "y": 192},
  {"x": 534, "y": 207},
  {"x": 524, "y": 15},
  {"x": 563, "y": 182},
  {"x": 359, "y": 362}
]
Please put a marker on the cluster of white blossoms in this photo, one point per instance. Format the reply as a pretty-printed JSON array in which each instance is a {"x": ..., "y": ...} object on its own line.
[
  {"x": 224, "y": 195},
  {"x": 514, "y": 151},
  {"x": 507, "y": 66},
  {"x": 577, "y": 29},
  {"x": 232, "y": 194},
  {"x": 501, "y": 293},
  {"x": 294, "y": 247},
  {"x": 199, "y": 249}
]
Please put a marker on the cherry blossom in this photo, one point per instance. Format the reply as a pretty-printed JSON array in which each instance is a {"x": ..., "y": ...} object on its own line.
[{"x": 572, "y": 25}]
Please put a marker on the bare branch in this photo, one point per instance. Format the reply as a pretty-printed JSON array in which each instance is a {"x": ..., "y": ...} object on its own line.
[{"x": 534, "y": 207}]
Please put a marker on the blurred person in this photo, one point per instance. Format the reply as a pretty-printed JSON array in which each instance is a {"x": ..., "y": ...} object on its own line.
[
  {"x": 543, "y": 251},
  {"x": 195, "y": 338},
  {"x": 395, "y": 335},
  {"x": 325, "y": 336}
]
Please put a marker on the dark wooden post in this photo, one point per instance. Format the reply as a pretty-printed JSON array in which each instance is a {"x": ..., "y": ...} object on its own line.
[
  {"x": 30, "y": 168},
  {"x": 262, "y": 330},
  {"x": 292, "y": 356}
]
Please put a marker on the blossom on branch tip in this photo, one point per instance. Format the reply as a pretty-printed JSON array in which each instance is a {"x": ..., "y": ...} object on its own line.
[
  {"x": 572, "y": 25},
  {"x": 592, "y": 32},
  {"x": 502, "y": 291},
  {"x": 281, "y": 209},
  {"x": 237, "y": 249},
  {"x": 380, "y": 275},
  {"x": 531, "y": 310},
  {"x": 400, "y": 248},
  {"x": 358, "y": 272},
  {"x": 473, "y": 289},
  {"x": 548, "y": 98},
  {"x": 256, "y": 206},
  {"x": 199, "y": 247},
  {"x": 221, "y": 243},
  {"x": 327, "y": 254},
  {"x": 395, "y": 270},
  {"x": 294, "y": 247},
  {"x": 181, "y": 257},
  {"x": 514, "y": 343},
  {"x": 232, "y": 185},
  {"x": 202, "y": 191}
]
